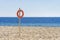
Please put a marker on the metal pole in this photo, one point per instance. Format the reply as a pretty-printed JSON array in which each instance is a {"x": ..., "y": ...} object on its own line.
[{"x": 19, "y": 26}]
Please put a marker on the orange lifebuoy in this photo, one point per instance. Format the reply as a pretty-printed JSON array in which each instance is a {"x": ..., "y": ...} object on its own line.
[{"x": 18, "y": 13}]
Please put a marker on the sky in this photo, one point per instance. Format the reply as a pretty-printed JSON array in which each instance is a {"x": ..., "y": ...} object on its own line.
[{"x": 31, "y": 8}]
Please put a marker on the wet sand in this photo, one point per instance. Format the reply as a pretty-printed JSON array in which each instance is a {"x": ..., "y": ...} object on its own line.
[{"x": 29, "y": 33}]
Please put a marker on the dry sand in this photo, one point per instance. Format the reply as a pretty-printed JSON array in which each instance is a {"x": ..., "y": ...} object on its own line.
[{"x": 29, "y": 33}]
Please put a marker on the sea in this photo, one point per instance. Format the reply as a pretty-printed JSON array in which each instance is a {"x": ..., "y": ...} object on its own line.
[{"x": 30, "y": 21}]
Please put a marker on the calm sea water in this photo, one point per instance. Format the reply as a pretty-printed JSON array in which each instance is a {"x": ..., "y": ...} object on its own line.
[{"x": 30, "y": 21}]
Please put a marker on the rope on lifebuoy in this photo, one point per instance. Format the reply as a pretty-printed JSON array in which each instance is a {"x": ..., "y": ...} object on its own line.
[{"x": 19, "y": 12}]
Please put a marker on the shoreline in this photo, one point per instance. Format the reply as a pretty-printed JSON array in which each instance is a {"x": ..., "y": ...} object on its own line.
[{"x": 35, "y": 26}]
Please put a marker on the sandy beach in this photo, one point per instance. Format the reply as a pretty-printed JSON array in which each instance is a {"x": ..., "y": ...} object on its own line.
[{"x": 29, "y": 33}]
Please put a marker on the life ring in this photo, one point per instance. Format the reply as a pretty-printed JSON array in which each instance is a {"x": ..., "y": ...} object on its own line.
[{"x": 18, "y": 13}]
